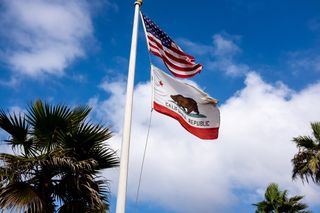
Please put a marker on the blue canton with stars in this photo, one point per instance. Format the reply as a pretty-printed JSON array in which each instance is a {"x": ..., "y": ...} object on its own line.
[{"x": 152, "y": 28}]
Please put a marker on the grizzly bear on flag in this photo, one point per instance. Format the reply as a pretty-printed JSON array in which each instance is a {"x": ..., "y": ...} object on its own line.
[{"x": 188, "y": 104}]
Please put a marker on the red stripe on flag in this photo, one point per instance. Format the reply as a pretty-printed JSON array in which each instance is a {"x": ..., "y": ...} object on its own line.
[
  {"x": 173, "y": 68},
  {"x": 178, "y": 51},
  {"x": 166, "y": 54},
  {"x": 192, "y": 66},
  {"x": 185, "y": 69},
  {"x": 172, "y": 48},
  {"x": 179, "y": 60},
  {"x": 156, "y": 53},
  {"x": 203, "y": 133},
  {"x": 184, "y": 75},
  {"x": 180, "y": 65},
  {"x": 174, "y": 51},
  {"x": 184, "y": 58}
]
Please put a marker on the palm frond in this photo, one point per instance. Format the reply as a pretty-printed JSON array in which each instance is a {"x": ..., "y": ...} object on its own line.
[
  {"x": 73, "y": 207},
  {"x": 84, "y": 139},
  {"x": 83, "y": 188},
  {"x": 105, "y": 156},
  {"x": 56, "y": 165},
  {"x": 17, "y": 126},
  {"x": 79, "y": 206},
  {"x": 304, "y": 142},
  {"x": 15, "y": 167},
  {"x": 306, "y": 165},
  {"x": 20, "y": 196},
  {"x": 79, "y": 114},
  {"x": 272, "y": 192},
  {"x": 316, "y": 131},
  {"x": 92, "y": 134},
  {"x": 47, "y": 121},
  {"x": 278, "y": 201}
]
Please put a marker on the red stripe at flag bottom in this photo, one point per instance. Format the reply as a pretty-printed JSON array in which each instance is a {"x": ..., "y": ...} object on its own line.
[{"x": 203, "y": 133}]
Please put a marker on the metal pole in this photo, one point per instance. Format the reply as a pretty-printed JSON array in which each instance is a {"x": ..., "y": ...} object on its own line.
[{"x": 124, "y": 159}]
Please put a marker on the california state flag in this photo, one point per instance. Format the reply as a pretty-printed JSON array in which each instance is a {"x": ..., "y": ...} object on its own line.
[{"x": 194, "y": 109}]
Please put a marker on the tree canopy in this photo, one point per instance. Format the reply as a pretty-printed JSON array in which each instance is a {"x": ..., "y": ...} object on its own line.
[
  {"x": 306, "y": 163},
  {"x": 58, "y": 156},
  {"x": 276, "y": 201}
]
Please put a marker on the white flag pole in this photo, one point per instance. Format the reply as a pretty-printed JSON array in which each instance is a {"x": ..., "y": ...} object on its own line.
[{"x": 124, "y": 159}]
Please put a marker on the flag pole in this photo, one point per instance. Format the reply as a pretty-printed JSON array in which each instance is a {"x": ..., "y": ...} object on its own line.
[{"x": 124, "y": 159}]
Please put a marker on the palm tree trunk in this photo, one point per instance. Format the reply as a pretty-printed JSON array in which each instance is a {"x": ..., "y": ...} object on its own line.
[{"x": 47, "y": 191}]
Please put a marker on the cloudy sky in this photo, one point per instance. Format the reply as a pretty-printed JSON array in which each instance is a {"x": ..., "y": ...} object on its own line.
[{"x": 261, "y": 60}]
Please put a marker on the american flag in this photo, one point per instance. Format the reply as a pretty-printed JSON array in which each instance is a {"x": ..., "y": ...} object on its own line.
[{"x": 160, "y": 44}]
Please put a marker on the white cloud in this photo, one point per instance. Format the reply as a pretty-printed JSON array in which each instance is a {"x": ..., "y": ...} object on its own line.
[
  {"x": 12, "y": 82},
  {"x": 225, "y": 50},
  {"x": 221, "y": 55},
  {"x": 223, "y": 46},
  {"x": 108, "y": 110},
  {"x": 229, "y": 67},
  {"x": 196, "y": 48},
  {"x": 254, "y": 148},
  {"x": 304, "y": 61},
  {"x": 44, "y": 36}
]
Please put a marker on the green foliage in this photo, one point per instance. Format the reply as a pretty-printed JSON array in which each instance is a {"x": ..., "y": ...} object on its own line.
[
  {"x": 60, "y": 156},
  {"x": 306, "y": 163},
  {"x": 277, "y": 201}
]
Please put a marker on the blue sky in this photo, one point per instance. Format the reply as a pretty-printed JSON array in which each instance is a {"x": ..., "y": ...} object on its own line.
[{"x": 261, "y": 60}]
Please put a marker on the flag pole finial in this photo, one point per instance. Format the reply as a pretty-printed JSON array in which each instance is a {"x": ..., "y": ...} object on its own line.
[{"x": 139, "y": 2}]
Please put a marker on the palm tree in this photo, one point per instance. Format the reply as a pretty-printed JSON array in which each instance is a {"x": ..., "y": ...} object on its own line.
[
  {"x": 277, "y": 201},
  {"x": 306, "y": 163},
  {"x": 58, "y": 157}
]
